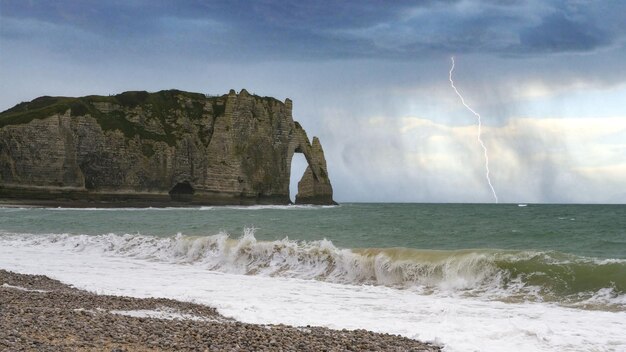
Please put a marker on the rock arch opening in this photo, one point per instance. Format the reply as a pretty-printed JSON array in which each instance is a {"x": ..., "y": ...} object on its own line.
[
  {"x": 298, "y": 166},
  {"x": 182, "y": 192}
]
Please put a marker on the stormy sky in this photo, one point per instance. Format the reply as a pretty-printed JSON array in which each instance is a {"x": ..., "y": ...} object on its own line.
[{"x": 370, "y": 78}]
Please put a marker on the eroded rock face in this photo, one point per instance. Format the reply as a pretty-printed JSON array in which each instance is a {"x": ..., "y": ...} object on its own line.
[
  {"x": 315, "y": 187},
  {"x": 164, "y": 147}
]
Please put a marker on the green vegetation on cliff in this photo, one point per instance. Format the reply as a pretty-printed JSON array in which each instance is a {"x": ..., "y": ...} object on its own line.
[
  {"x": 163, "y": 105},
  {"x": 160, "y": 105}
]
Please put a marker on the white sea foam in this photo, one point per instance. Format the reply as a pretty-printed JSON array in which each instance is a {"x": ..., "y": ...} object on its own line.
[
  {"x": 319, "y": 260},
  {"x": 460, "y": 323},
  {"x": 122, "y": 209},
  {"x": 165, "y": 314},
  {"x": 271, "y": 207},
  {"x": 200, "y": 208},
  {"x": 489, "y": 274},
  {"x": 20, "y": 288}
]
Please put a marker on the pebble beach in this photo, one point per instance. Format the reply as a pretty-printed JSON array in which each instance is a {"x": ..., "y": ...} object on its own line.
[{"x": 42, "y": 314}]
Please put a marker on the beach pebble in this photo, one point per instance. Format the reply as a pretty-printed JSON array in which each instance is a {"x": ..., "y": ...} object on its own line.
[{"x": 46, "y": 315}]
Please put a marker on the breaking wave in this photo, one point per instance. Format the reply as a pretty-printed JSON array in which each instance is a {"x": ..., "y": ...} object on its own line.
[{"x": 495, "y": 274}]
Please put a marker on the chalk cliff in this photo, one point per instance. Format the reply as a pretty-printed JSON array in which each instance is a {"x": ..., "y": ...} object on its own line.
[{"x": 168, "y": 147}]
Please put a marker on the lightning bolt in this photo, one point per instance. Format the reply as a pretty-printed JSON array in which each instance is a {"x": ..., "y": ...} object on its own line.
[{"x": 495, "y": 196}]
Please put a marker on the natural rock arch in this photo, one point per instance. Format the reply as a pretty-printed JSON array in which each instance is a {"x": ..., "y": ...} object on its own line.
[{"x": 314, "y": 186}]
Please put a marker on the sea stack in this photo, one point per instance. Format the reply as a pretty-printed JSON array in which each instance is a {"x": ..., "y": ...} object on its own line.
[{"x": 165, "y": 148}]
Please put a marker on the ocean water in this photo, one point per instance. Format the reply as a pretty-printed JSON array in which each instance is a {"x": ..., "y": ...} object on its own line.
[{"x": 472, "y": 277}]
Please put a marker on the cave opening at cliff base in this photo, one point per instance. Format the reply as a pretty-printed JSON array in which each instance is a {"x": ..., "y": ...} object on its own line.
[{"x": 182, "y": 192}]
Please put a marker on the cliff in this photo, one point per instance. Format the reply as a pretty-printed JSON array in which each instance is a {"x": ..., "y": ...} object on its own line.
[{"x": 169, "y": 147}]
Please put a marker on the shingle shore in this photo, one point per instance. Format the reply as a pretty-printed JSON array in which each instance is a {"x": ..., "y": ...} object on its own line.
[{"x": 42, "y": 314}]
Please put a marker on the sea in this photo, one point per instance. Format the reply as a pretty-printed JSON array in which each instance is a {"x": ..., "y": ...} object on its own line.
[{"x": 470, "y": 277}]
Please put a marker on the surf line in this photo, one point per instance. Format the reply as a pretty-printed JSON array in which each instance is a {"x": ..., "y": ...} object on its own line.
[{"x": 493, "y": 191}]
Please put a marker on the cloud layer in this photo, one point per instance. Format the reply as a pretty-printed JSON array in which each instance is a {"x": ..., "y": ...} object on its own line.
[
  {"x": 557, "y": 160},
  {"x": 370, "y": 78},
  {"x": 278, "y": 30}
]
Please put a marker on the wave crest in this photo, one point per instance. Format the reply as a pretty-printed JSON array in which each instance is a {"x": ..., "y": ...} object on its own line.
[{"x": 507, "y": 275}]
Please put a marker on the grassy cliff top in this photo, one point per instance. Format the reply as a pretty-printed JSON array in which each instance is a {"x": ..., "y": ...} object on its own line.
[
  {"x": 160, "y": 102},
  {"x": 42, "y": 107},
  {"x": 158, "y": 105}
]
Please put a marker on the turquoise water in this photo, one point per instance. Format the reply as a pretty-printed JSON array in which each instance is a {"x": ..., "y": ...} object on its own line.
[
  {"x": 573, "y": 255},
  {"x": 585, "y": 230}
]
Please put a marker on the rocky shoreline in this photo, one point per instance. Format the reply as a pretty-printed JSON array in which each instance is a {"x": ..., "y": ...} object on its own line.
[
  {"x": 39, "y": 313},
  {"x": 73, "y": 204}
]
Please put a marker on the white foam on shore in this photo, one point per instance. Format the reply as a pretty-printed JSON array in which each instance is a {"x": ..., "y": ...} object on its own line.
[
  {"x": 11, "y": 208},
  {"x": 163, "y": 313},
  {"x": 477, "y": 273},
  {"x": 273, "y": 207},
  {"x": 20, "y": 288},
  {"x": 461, "y": 324}
]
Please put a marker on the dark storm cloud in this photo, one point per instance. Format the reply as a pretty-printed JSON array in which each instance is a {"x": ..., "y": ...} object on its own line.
[
  {"x": 314, "y": 30},
  {"x": 233, "y": 29},
  {"x": 264, "y": 14},
  {"x": 557, "y": 33}
]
